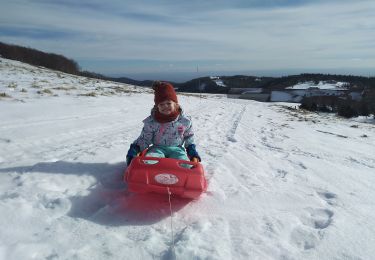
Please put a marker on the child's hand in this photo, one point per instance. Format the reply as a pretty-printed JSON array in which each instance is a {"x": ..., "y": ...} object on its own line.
[
  {"x": 133, "y": 151},
  {"x": 194, "y": 159},
  {"x": 192, "y": 153}
]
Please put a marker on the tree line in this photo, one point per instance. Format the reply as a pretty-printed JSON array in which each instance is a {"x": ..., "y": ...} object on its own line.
[
  {"x": 39, "y": 58},
  {"x": 55, "y": 62}
]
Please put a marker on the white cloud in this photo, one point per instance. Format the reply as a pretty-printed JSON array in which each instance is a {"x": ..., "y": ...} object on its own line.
[{"x": 314, "y": 35}]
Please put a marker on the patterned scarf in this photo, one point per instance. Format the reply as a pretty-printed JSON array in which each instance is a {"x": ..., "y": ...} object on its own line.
[{"x": 161, "y": 118}]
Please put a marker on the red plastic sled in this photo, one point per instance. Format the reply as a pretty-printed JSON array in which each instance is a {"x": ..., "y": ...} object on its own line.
[{"x": 151, "y": 174}]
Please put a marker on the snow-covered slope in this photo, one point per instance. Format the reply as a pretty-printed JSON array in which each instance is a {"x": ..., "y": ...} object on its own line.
[
  {"x": 283, "y": 184},
  {"x": 22, "y": 81}
]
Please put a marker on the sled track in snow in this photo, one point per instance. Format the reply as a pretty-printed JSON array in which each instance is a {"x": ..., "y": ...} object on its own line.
[
  {"x": 232, "y": 132},
  {"x": 221, "y": 132}
]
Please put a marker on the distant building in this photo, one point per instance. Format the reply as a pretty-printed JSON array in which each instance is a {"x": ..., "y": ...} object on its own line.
[
  {"x": 296, "y": 95},
  {"x": 289, "y": 95}
]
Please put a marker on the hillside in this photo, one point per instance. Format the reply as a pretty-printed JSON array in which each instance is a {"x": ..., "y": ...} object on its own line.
[
  {"x": 22, "y": 81},
  {"x": 283, "y": 183}
]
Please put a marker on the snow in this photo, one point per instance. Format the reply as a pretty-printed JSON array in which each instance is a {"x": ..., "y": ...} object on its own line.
[
  {"x": 22, "y": 81},
  {"x": 283, "y": 183},
  {"x": 218, "y": 81},
  {"x": 320, "y": 85}
]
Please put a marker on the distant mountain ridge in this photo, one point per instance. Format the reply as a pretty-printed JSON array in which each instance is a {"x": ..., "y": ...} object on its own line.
[{"x": 213, "y": 84}]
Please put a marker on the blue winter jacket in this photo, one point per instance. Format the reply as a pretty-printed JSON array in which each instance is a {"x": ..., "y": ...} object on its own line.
[{"x": 175, "y": 133}]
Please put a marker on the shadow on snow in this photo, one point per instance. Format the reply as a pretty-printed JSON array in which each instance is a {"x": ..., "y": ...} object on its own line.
[{"x": 108, "y": 202}]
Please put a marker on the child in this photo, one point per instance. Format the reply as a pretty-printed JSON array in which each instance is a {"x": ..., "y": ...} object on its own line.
[{"x": 167, "y": 129}]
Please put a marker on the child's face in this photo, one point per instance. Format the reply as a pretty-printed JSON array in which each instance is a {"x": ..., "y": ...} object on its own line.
[{"x": 167, "y": 107}]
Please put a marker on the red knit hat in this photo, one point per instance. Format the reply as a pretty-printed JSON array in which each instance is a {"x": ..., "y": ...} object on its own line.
[{"x": 164, "y": 91}]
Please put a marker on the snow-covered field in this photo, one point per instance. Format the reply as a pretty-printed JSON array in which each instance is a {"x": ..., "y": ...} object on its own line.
[{"x": 283, "y": 183}]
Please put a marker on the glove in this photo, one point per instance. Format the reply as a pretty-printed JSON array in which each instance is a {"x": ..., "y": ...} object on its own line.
[
  {"x": 192, "y": 153},
  {"x": 133, "y": 151}
]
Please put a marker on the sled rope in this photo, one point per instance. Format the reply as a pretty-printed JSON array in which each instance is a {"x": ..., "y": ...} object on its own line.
[{"x": 170, "y": 209}]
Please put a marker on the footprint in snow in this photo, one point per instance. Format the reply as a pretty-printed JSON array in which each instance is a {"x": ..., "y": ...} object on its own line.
[
  {"x": 304, "y": 239},
  {"x": 57, "y": 207},
  {"x": 311, "y": 232},
  {"x": 317, "y": 218},
  {"x": 328, "y": 197},
  {"x": 196, "y": 241}
]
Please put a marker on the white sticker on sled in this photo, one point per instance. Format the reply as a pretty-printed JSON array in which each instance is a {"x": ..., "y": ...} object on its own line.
[{"x": 166, "y": 178}]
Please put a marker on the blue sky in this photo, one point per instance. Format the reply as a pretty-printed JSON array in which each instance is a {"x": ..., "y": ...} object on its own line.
[{"x": 170, "y": 39}]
